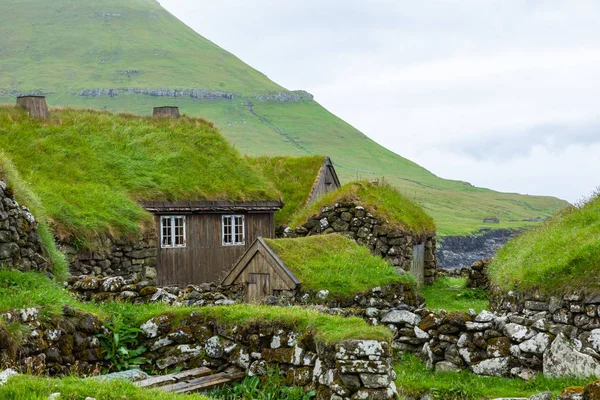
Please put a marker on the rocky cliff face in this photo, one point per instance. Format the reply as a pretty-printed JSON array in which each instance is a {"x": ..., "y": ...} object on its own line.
[{"x": 461, "y": 251}]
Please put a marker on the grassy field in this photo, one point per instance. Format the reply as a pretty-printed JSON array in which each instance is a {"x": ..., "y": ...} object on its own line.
[
  {"x": 89, "y": 169},
  {"x": 293, "y": 177},
  {"x": 559, "y": 256},
  {"x": 415, "y": 379},
  {"x": 66, "y": 46},
  {"x": 335, "y": 263},
  {"x": 384, "y": 200},
  {"x": 452, "y": 294}
]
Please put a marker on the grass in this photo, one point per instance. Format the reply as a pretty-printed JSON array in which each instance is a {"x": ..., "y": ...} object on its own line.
[
  {"x": 383, "y": 200},
  {"x": 27, "y": 387},
  {"x": 561, "y": 255},
  {"x": 293, "y": 177},
  {"x": 90, "y": 168},
  {"x": 64, "y": 46},
  {"x": 335, "y": 263},
  {"x": 452, "y": 294},
  {"x": 30, "y": 289},
  {"x": 415, "y": 379}
]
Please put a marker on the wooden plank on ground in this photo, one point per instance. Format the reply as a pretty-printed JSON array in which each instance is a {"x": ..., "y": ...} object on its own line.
[
  {"x": 204, "y": 383},
  {"x": 173, "y": 378}
]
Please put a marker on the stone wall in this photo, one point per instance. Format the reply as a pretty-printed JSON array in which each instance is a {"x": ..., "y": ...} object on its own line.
[
  {"x": 351, "y": 220},
  {"x": 134, "y": 260},
  {"x": 357, "y": 369},
  {"x": 20, "y": 243},
  {"x": 117, "y": 288},
  {"x": 478, "y": 276}
]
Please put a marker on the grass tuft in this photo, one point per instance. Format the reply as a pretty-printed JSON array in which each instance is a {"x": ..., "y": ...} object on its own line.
[
  {"x": 559, "y": 256},
  {"x": 383, "y": 200},
  {"x": 335, "y": 263}
]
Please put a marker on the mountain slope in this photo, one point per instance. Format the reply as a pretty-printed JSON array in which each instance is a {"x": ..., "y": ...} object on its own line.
[{"x": 131, "y": 56}]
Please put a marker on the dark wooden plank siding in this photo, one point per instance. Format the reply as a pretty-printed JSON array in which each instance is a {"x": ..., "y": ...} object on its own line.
[
  {"x": 259, "y": 264},
  {"x": 325, "y": 183},
  {"x": 205, "y": 259}
]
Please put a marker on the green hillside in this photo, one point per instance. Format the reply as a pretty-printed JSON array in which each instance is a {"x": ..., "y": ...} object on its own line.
[{"x": 76, "y": 51}]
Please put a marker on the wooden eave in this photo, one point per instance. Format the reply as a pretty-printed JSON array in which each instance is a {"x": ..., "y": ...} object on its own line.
[
  {"x": 261, "y": 246},
  {"x": 167, "y": 207}
]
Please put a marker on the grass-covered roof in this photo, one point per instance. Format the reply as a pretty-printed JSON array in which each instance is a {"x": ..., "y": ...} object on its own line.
[
  {"x": 560, "y": 255},
  {"x": 90, "y": 168},
  {"x": 383, "y": 200},
  {"x": 335, "y": 263},
  {"x": 294, "y": 177}
]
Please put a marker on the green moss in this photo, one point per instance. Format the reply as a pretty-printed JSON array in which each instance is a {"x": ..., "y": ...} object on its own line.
[
  {"x": 72, "y": 388},
  {"x": 558, "y": 256},
  {"x": 383, "y": 200},
  {"x": 294, "y": 177},
  {"x": 89, "y": 168},
  {"x": 335, "y": 263}
]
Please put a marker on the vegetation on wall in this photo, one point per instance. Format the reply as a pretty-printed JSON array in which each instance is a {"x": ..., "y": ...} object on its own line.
[
  {"x": 382, "y": 200},
  {"x": 335, "y": 263},
  {"x": 294, "y": 177},
  {"x": 89, "y": 168},
  {"x": 556, "y": 257}
]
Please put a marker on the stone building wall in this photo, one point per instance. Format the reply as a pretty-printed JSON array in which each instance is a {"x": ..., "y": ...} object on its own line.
[
  {"x": 134, "y": 260},
  {"x": 478, "y": 276},
  {"x": 20, "y": 243},
  {"x": 351, "y": 220}
]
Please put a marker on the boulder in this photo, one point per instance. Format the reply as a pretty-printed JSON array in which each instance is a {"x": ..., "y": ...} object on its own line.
[
  {"x": 492, "y": 367},
  {"x": 401, "y": 317},
  {"x": 562, "y": 359}
]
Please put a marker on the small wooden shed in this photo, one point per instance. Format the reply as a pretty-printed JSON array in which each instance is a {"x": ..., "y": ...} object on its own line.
[{"x": 262, "y": 272}]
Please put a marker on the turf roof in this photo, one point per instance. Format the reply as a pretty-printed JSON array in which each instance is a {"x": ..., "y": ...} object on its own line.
[
  {"x": 90, "y": 168},
  {"x": 335, "y": 263},
  {"x": 294, "y": 177},
  {"x": 558, "y": 256},
  {"x": 383, "y": 200}
]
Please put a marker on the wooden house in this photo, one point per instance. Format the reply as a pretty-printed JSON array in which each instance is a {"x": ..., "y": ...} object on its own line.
[
  {"x": 199, "y": 241},
  {"x": 262, "y": 271},
  {"x": 325, "y": 182}
]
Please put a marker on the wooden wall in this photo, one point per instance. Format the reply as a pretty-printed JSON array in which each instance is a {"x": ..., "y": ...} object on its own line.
[
  {"x": 205, "y": 259},
  {"x": 326, "y": 183}
]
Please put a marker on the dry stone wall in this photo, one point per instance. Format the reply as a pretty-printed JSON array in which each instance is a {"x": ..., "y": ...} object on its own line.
[
  {"x": 351, "y": 369},
  {"x": 20, "y": 243},
  {"x": 132, "y": 260},
  {"x": 351, "y": 220}
]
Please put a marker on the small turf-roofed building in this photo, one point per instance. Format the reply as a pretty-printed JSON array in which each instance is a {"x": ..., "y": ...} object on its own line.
[
  {"x": 163, "y": 200},
  {"x": 334, "y": 263},
  {"x": 301, "y": 181}
]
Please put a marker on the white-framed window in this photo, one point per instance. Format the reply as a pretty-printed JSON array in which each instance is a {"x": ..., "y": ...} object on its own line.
[
  {"x": 172, "y": 231},
  {"x": 233, "y": 230}
]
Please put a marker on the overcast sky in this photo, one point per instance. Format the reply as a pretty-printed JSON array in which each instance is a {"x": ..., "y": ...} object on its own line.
[{"x": 502, "y": 94}]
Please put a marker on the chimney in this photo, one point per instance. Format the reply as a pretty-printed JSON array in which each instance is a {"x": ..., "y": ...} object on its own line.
[
  {"x": 35, "y": 105},
  {"x": 167, "y": 111}
]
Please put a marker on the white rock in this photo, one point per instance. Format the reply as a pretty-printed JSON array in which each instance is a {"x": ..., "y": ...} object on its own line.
[
  {"x": 323, "y": 294},
  {"x": 492, "y": 367},
  {"x": 401, "y": 317},
  {"x": 485, "y": 316},
  {"x": 6, "y": 375},
  {"x": 563, "y": 359},
  {"x": 516, "y": 332},
  {"x": 150, "y": 329},
  {"x": 536, "y": 344},
  {"x": 594, "y": 340},
  {"x": 421, "y": 334}
]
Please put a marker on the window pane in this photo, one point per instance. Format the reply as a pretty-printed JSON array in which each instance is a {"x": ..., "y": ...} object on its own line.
[
  {"x": 179, "y": 238},
  {"x": 227, "y": 230},
  {"x": 166, "y": 232},
  {"x": 239, "y": 229}
]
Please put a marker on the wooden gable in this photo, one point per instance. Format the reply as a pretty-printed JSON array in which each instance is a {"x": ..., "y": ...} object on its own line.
[
  {"x": 262, "y": 272},
  {"x": 327, "y": 181}
]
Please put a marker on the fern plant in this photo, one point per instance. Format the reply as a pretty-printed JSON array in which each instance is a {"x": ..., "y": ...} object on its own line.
[{"x": 120, "y": 345}]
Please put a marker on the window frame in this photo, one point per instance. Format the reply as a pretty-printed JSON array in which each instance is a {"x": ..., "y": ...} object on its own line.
[
  {"x": 234, "y": 233},
  {"x": 172, "y": 226}
]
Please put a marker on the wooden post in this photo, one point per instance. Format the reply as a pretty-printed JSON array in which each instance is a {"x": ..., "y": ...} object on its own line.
[
  {"x": 168, "y": 111},
  {"x": 35, "y": 105}
]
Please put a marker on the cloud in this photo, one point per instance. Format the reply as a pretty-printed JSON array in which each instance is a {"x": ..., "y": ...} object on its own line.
[{"x": 501, "y": 93}]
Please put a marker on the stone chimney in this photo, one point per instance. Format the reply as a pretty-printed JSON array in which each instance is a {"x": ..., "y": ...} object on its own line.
[
  {"x": 35, "y": 105},
  {"x": 167, "y": 111}
]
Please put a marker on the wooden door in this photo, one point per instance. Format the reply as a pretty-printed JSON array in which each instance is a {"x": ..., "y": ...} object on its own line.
[
  {"x": 417, "y": 267},
  {"x": 259, "y": 287}
]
